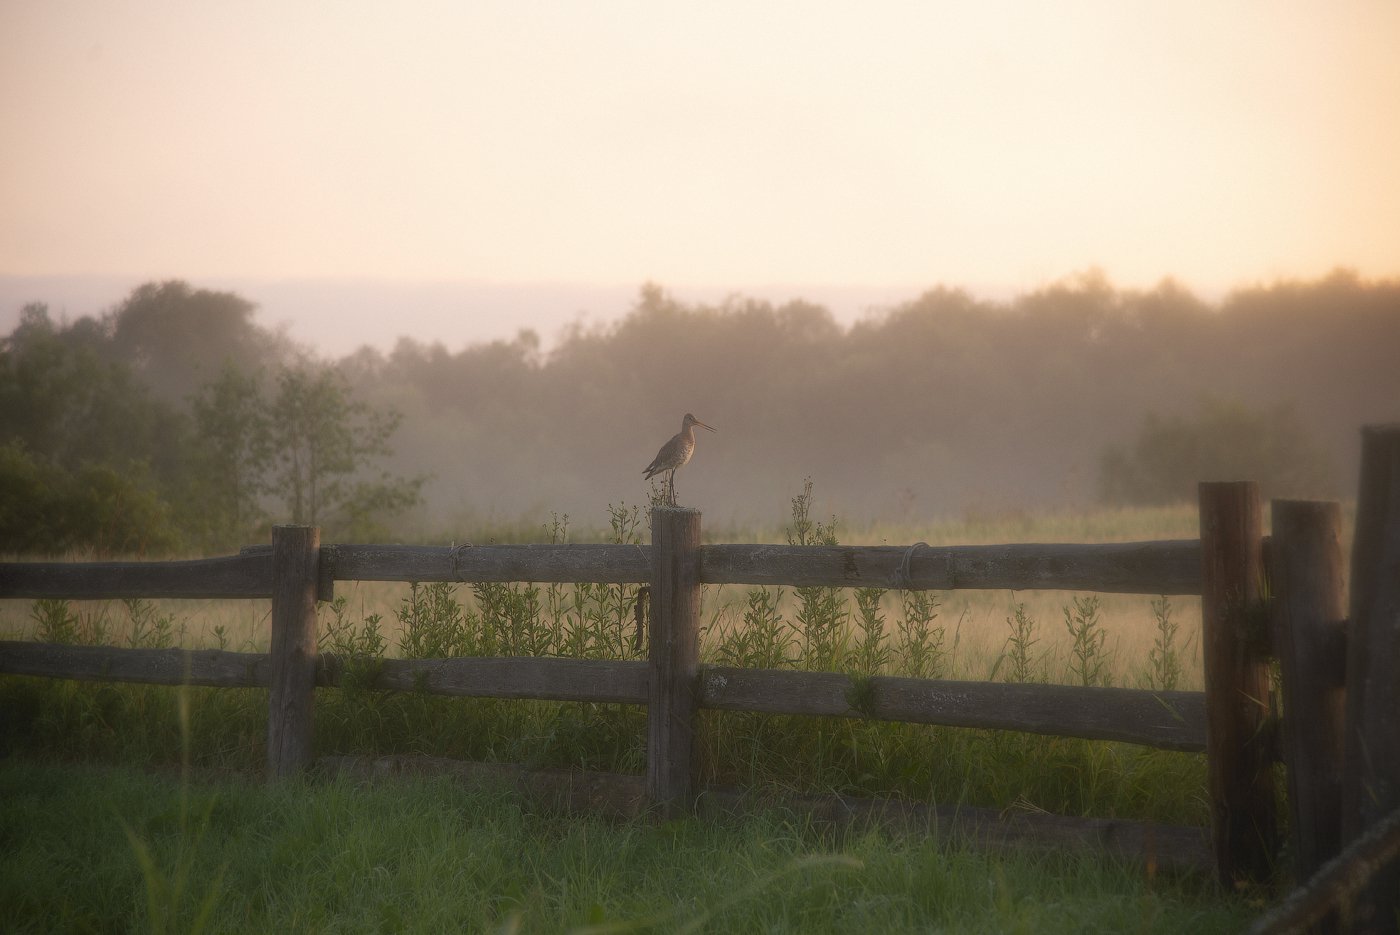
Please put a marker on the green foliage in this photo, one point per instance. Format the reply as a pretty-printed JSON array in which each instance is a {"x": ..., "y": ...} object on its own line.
[
  {"x": 69, "y": 403},
  {"x": 434, "y": 625},
  {"x": 821, "y": 615},
  {"x": 1088, "y": 660},
  {"x": 1222, "y": 440},
  {"x": 597, "y": 621},
  {"x": 582, "y": 621},
  {"x": 147, "y": 627},
  {"x": 233, "y": 452},
  {"x": 360, "y": 647},
  {"x": 152, "y": 429},
  {"x": 1016, "y": 653},
  {"x": 1164, "y": 662},
  {"x": 170, "y": 904},
  {"x": 46, "y": 510},
  {"x": 55, "y": 622},
  {"x": 322, "y": 438},
  {"x": 872, "y": 652},
  {"x": 762, "y": 639},
  {"x": 922, "y": 652},
  {"x": 28, "y": 524},
  {"x": 178, "y": 338}
]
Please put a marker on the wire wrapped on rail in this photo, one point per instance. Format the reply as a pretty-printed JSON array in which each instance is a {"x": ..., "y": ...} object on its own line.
[
  {"x": 455, "y": 555},
  {"x": 902, "y": 581}
]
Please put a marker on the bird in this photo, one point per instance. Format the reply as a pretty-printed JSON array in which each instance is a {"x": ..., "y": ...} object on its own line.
[{"x": 675, "y": 453}]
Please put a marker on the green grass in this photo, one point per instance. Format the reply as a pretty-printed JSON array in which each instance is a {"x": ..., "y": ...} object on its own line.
[{"x": 432, "y": 856}]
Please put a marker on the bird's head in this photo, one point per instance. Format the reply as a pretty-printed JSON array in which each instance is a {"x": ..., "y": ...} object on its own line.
[{"x": 691, "y": 420}]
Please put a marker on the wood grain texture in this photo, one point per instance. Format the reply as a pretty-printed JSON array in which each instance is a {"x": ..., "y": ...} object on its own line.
[
  {"x": 1308, "y": 624},
  {"x": 212, "y": 667},
  {"x": 296, "y": 554},
  {"x": 1234, "y": 640},
  {"x": 1371, "y": 787},
  {"x": 546, "y": 679},
  {"x": 1168, "y": 567},
  {"x": 231, "y": 576},
  {"x": 603, "y": 564},
  {"x": 673, "y": 659},
  {"x": 1167, "y": 720}
]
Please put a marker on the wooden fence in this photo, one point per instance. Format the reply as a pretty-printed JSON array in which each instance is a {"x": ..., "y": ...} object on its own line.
[{"x": 1279, "y": 597}]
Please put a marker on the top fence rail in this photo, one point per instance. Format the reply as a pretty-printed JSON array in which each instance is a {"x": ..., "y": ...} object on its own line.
[{"x": 1158, "y": 567}]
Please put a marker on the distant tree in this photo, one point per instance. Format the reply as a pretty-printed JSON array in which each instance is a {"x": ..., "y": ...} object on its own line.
[
  {"x": 178, "y": 338},
  {"x": 1222, "y": 440},
  {"x": 48, "y": 510},
  {"x": 232, "y": 456},
  {"x": 323, "y": 443},
  {"x": 71, "y": 404}
]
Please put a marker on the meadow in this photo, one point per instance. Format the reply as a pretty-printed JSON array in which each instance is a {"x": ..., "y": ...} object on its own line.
[{"x": 393, "y": 846}]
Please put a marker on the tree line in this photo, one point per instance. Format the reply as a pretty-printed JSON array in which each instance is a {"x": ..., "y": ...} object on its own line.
[
  {"x": 177, "y": 407},
  {"x": 173, "y": 423}
]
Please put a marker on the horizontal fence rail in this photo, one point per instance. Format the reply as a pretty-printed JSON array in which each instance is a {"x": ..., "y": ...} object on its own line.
[
  {"x": 1167, "y": 567},
  {"x": 1167, "y": 720},
  {"x": 214, "y": 668},
  {"x": 1173, "y": 720},
  {"x": 562, "y": 564},
  {"x": 246, "y": 575}
]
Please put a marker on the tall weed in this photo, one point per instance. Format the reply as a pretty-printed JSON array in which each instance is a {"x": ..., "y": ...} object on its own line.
[
  {"x": 921, "y": 644},
  {"x": 821, "y": 614},
  {"x": 1163, "y": 659},
  {"x": 1017, "y": 654},
  {"x": 1088, "y": 662},
  {"x": 762, "y": 639}
]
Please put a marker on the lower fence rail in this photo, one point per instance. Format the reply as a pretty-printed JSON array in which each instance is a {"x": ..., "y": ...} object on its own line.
[{"x": 1168, "y": 720}]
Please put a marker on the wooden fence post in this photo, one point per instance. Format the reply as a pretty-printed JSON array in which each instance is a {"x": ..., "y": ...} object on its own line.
[
  {"x": 1308, "y": 623},
  {"x": 1244, "y": 820},
  {"x": 295, "y": 559},
  {"x": 673, "y": 658},
  {"x": 1371, "y": 784}
]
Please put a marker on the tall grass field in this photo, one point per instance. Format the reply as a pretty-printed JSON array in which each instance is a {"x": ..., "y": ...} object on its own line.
[{"x": 103, "y": 833}]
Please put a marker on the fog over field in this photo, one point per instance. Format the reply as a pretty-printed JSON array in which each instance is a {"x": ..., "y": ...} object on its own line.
[{"x": 942, "y": 406}]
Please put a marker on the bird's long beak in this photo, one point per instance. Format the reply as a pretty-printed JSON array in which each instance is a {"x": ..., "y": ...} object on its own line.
[{"x": 704, "y": 426}]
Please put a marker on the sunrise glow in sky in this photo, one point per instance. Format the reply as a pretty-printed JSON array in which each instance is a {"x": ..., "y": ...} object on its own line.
[{"x": 727, "y": 144}]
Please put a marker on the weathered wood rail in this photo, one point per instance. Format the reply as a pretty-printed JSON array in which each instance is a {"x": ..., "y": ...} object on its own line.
[
  {"x": 1172, "y": 720},
  {"x": 1260, "y": 598},
  {"x": 1167, "y": 567}
]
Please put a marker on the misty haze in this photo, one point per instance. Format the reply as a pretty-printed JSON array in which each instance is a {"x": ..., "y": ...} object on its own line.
[{"x": 944, "y": 406}]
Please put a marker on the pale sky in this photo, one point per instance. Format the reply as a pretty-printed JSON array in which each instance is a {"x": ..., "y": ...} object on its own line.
[{"x": 723, "y": 146}]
